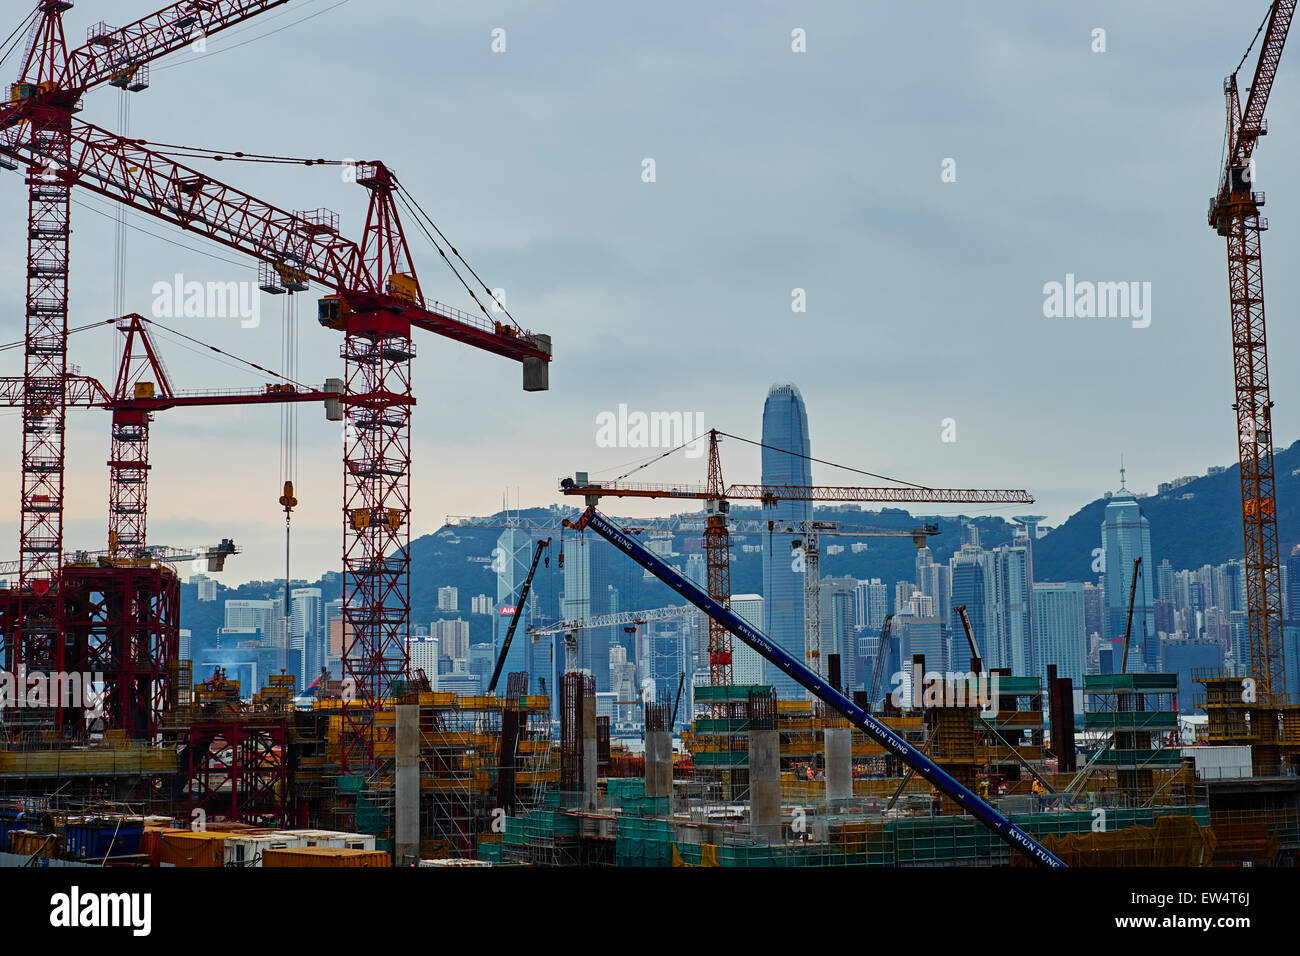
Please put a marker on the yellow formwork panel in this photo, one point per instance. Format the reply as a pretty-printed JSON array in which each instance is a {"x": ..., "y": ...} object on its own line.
[{"x": 44, "y": 763}]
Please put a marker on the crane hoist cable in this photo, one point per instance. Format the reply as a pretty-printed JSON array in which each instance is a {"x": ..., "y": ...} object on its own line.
[
  {"x": 119, "y": 226},
  {"x": 288, "y": 436}
]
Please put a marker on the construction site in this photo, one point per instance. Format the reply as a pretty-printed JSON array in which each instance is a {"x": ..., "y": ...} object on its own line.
[{"x": 159, "y": 765}]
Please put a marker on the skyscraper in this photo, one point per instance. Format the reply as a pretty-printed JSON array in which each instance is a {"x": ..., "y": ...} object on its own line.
[
  {"x": 1014, "y": 599},
  {"x": 1059, "y": 630},
  {"x": 970, "y": 587},
  {"x": 785, "y": 462},
  {"x": 307, "y": 632},
  {"x": 746, "y": 663},
  {"x": 511, "y": 558},
  {"x": 1126, "y": 536},
  {"x": 872, "y": 604}
]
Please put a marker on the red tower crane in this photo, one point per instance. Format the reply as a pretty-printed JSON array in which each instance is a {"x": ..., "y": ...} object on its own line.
[
  {"x": 39, "y": 110},
  {"x": 1234, "y": 214},
  {"x": 376, "y": 301},
  {"x": 133, "y": 643},
  {"x": 142, "y": 388},
  {"x": 717, "y": 495}
]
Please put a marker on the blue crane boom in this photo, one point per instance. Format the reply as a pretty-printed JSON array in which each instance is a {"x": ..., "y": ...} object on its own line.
[{"x": 927, "y": 768}]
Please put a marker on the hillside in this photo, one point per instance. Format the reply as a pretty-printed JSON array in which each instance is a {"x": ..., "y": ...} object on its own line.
[{"x": 1204, "y": 528}]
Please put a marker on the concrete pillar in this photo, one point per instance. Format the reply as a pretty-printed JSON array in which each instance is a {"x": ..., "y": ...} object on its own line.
[
  {"x": 765, "y": 785},
  {"x": 658, "y": 763},
  {"x": 590, "y": 763},
  {"x": 839, "y": 764},
  {"x": 407, "y": 784}
]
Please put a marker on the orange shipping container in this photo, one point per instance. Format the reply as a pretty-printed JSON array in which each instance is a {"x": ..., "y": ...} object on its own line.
[
  {"x": 30, "y": 843},
  {"x": 184, "y": 848},
  {"x": 325, "y": 856}
]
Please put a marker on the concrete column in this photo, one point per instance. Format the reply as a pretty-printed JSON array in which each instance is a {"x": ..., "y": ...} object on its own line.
[
  {"x": 407, "y": 828},
  {"x": 765, "y": 785},
  {"x": 658, "y": 763},
  {"x": 839, "y": 764},
  {"x": 589, "y": 762}
]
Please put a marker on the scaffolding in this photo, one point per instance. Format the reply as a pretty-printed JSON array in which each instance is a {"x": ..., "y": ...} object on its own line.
[
  {"x": 1234, "y": 718},
  {"x": 1140, "y": 715}
]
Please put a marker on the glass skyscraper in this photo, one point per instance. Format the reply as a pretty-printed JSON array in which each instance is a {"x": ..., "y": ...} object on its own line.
[
  {"x": 1059, "y": 630},
  {"x": 1126, "y": 536},
  {"x": 785, "y": 462}
]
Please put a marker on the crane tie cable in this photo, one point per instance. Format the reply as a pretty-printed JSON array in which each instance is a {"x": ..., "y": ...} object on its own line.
[
  {"x": 450, "y": 264},
  {"x": 420, "y": 213},
  {"x": 229, "y": 355},
  {"x": 1256, "y": 37},
  {"x": 858, "y": 471}
]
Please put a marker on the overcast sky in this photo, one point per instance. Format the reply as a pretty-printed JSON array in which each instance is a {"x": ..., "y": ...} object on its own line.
[{"x": 775, "y": 170}]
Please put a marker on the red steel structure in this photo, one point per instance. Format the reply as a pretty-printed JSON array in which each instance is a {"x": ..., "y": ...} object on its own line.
[
  {"x": 142, "y": 388},
  {"x": 376, "y": 302},
  {"x": 1234, "y": 214},
  {"x": 234, "y": 768},
  {"x": 717, "y": 552},
  {"x": 124, "y": 623},
  {"x": 41, "y": 104},
  {"x": 717, "y": 495},
  {"x": 121, "y": 616}
]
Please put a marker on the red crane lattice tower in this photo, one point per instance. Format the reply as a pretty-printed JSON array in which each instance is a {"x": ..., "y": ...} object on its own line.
[
  {"x": 48, "y": 92},
  {"x": 37, "y": 644},
  {"x": 717, "y": 548}
]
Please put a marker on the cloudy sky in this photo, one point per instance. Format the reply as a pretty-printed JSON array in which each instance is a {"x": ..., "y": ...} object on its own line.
[{"x": 775, "y": 170}]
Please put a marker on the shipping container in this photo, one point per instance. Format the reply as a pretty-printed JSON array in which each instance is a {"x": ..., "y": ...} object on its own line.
[
  {"x": 186, "y": 848},
  {"x": 318, "y": 856},
  {"x": 244, "y": 849},
  {"x": 94, "y": 839}
]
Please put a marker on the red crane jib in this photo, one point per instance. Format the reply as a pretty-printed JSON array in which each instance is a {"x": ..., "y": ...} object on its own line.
[{"x": 125, "y": 171}]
